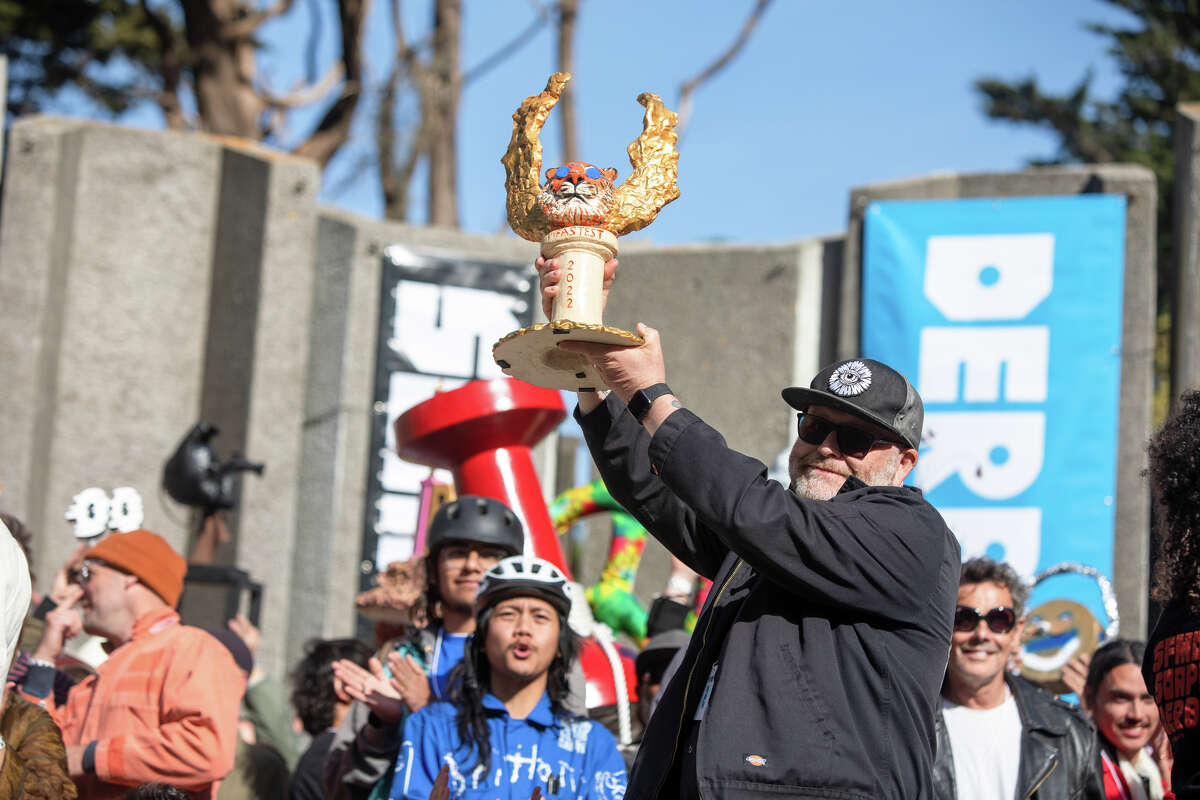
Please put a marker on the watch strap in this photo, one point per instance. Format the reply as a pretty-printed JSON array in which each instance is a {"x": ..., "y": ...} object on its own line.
[{"x": 639, "y": 404}]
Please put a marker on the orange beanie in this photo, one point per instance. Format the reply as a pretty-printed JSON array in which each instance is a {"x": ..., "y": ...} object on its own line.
[{"x": 147, "y": 556}]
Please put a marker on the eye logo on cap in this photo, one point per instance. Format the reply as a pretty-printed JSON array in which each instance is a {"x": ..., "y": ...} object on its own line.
[{"x": 850, "y": 379}]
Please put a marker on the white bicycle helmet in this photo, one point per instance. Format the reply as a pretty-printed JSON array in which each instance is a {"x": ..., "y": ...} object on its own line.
[{"x": 524, "y": 576}]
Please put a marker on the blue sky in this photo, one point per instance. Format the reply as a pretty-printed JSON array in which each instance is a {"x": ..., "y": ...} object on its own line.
[{"x": 827, "y": 96}]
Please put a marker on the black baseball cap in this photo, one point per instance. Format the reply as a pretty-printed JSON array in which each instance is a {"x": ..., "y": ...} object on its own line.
[{"x": 868, "y": 389}]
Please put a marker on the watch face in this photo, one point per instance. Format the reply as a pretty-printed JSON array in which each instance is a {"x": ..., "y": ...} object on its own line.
[{"x": 639, "y": 404}]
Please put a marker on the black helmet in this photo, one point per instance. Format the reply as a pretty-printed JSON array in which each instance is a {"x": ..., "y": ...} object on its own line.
[
  {"x": 475, "y": 519},
  {"x": 524, "y": 576}
]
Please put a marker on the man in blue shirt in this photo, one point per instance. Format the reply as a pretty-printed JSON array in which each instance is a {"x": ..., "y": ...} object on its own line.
[{"x": 506, "y": 731}]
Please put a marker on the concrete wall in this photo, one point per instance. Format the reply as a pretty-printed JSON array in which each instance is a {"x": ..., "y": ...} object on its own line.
[
  {"x": 150, "y": 279},
  {"x": 104, "y": 325},
  {"x": 1132, "y": 515}
]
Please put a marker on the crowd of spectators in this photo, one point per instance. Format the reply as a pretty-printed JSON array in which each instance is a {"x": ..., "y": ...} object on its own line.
[
  {"x": 172, "y": 710},
  {"x": 484, "y": 696}
]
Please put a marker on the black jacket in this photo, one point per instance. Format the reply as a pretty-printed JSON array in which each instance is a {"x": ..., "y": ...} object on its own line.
[
  {"x": 1172, "y": 647},
  {"x": 1059, "y": 755},
  {"x": 831, "y": 621}
]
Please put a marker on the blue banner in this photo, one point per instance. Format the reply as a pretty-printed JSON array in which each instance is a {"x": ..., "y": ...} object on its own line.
[{"x": 1006, "y": 316}]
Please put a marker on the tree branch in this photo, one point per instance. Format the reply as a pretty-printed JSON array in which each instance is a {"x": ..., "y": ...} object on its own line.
[
  {"x": 303, "y": 95},
  {"x": 1023, "y": 102},
  {"x": 568, "y": 14},
  {"x": 334, "y": 128},
  {"x": 439, "y": 113},
  {"x": 688, "y": 87},
  {"x": 314, "y": 41},
  {"x": 244, "y": 28},
  {"x": 395, "y": 178},
  {"x": 172, "y": 68},
  {"x": 354, "y": 173},
  {"x": 510, "y": 47}
]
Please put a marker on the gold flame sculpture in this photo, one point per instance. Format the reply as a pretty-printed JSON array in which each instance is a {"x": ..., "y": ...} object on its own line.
[
  {"x": 638, "y": 200},
  {"x": 577, "y": 217}
]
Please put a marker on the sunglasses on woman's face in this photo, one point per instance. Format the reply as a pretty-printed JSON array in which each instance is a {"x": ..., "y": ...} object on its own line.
[
  {"x": 851, "y": 441},
  {"x": 999, "y": 620}
]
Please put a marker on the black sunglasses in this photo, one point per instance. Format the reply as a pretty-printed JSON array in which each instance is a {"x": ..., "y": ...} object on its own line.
[
  {"x": 851, "y": 441},
  {"x": 999, "y": 620}
]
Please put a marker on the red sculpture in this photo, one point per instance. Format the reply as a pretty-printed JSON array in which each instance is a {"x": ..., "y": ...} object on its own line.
[{"x": 482, "y": 433}]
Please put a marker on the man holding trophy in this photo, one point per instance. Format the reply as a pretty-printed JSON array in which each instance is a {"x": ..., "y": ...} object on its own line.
[{"x": 816, "y": 662}]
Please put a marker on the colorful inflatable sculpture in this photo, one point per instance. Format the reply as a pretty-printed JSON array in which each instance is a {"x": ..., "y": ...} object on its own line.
[{"x": 611, "y": 599}]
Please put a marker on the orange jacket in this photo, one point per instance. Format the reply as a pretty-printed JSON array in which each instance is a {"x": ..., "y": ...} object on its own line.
[{"x": 163, "y": 707}]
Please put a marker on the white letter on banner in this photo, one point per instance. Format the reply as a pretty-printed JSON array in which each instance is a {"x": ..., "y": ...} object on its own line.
[
  {"x": 1023, "y": 351},
  {"x": 1013, "y": 535},
  {"x": 999, "y": 276},
  {"x": 997, "y": 454}
]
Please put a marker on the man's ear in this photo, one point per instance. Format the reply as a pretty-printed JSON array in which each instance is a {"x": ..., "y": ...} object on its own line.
[{"x": 908, "y": 460}]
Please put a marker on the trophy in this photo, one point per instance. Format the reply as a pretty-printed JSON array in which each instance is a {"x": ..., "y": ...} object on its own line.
[{"x": 577, "y": 216}]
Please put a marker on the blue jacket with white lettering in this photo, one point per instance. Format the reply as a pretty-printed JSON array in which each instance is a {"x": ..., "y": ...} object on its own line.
[
  {"x": 826, "y": 631},
  {"x": 568, "y": 757}
]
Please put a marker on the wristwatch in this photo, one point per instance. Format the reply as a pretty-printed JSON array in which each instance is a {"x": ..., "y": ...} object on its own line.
[{"x": 639, "y": 404}]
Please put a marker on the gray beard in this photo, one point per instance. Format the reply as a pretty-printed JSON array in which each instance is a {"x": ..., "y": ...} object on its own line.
[{"x": 803, "y": 484}]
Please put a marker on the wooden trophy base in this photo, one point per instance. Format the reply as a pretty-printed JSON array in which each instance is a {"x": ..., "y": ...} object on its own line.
[{"x": 532, "y": 354}]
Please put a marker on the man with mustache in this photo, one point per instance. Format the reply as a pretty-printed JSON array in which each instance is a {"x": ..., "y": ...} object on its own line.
[
  {"x": 815, "y": 665},
  {"x": 999, "y": 737}
]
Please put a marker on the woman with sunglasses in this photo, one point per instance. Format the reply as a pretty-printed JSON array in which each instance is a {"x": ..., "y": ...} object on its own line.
[{"x": 1126, "y": 720}]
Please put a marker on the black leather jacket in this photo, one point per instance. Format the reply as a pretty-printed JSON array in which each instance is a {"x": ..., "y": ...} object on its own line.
[{"x": 1059, "y": 755}]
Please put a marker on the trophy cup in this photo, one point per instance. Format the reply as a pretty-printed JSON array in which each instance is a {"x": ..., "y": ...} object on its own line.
[{"x": 577, "y": 217}]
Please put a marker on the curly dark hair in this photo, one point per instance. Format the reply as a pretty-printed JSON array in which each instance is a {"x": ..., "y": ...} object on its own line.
[
  {"x": 1175, "y": 479},
  {"x": 985, "y": 570},
  {"x": 24, "y": 538},
  {"x": 312, "y": 679},
  {"x": 470, "y": 679}
]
